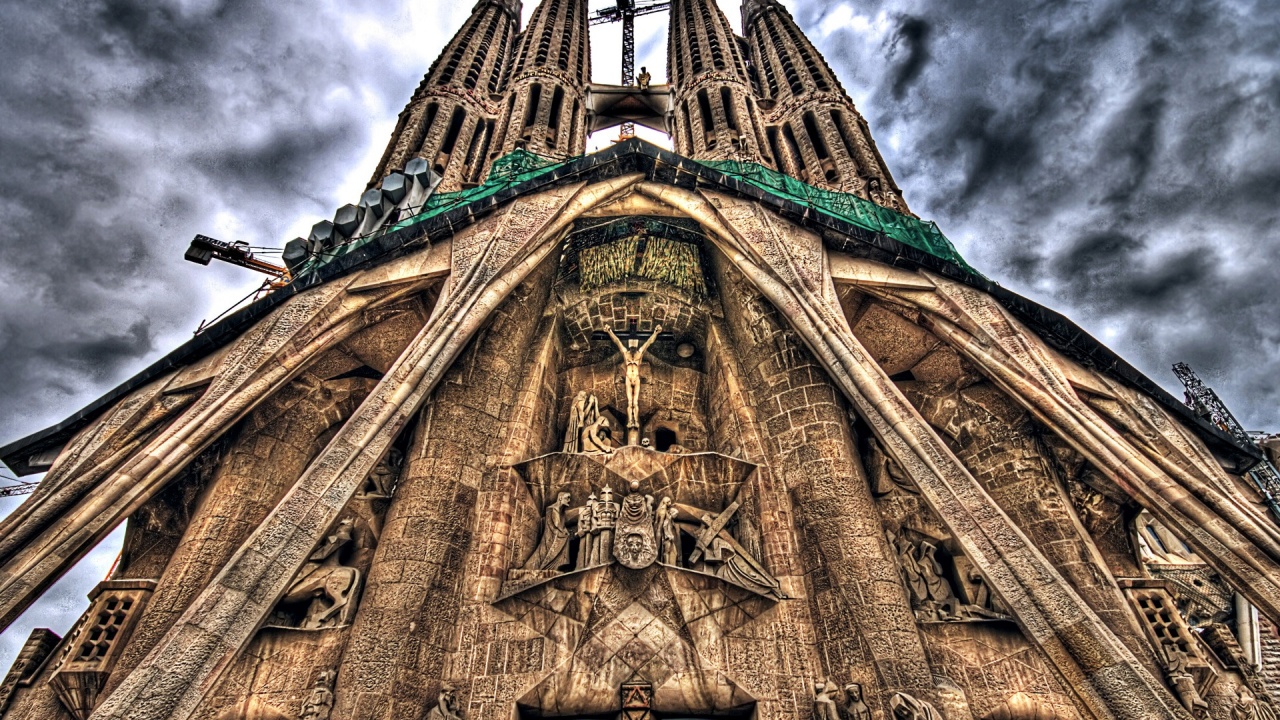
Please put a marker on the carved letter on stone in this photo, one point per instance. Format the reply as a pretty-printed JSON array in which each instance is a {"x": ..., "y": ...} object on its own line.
[{"x": 634, "y": 543}]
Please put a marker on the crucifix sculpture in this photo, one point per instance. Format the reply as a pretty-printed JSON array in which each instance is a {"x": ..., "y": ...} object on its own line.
[{"x": 631, "y": 356}]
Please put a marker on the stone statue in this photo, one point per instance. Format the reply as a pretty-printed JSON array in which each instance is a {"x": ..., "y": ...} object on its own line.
[
  {"x": 594, "y": 439},
  {"x": 911, "y": 570},
  {"x": 856, "y": 708},
  {"x": 940, "y": 594},
  {"x": 446, "y": 706},
  {"x": 552, "y": 552},
  {"x": 668, "y": 535},
  {"x": 907, "y": 707},
  {"x": 1249, "y": 707},
  {"x": 382, "y": 479},
  {"x": 604, "y": 520},
  {"x": 577, "y": 421},
  {"x": 320, "y": 702},
  {"x": 643, "y": 78},
  {"x": 824, "y": 708},
  {"x": 587, "y": 425},
  {"x": 631, "y": 356},
  {"x": 587, "y": 538},
  {"x": 635, "y": 544},
  {"x": 1184, "y": 683},
  {"x": 329, "y": 585}
]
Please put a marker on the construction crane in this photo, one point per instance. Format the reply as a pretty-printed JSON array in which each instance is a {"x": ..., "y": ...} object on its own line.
[
  {"x": 22, "y": 488},
  {"x": 204, "y": 248},
  {"x": 1205, "y": 402},
  {"x": 626, "y": 11}
]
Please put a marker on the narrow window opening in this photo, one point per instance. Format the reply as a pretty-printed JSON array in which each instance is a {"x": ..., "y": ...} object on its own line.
[
  {"x": 790, "y": 137},
  {"x": 726, "y": 99},
  {"x": 553, "y": 120},
  {"x": 531, "y": 110},
  {"x": 708, "y": 122},
  {"x": 450, "y": 139}
]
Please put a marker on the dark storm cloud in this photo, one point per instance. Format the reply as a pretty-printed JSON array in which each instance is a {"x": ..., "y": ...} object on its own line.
[
  {"x": 1116, "y": 160},
  {"x": 128, "y": 126}
]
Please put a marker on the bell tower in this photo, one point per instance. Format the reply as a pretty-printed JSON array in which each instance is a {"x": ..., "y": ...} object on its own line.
[
  {"x": 715, "y": 116},
  {"x": 813, "y": 128},
  {"x": 545, "y": 108},
  {"x": 451, "y": 118}
]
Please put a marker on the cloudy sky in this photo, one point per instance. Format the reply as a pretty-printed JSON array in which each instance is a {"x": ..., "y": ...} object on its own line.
[{"x": 1117, "y": 160}]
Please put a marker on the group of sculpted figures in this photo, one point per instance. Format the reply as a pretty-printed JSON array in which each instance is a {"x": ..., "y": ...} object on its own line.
[
  {"x": 902, "y": 705},
  {"x": 638, "y": 532},
  {"x": 589, "y": 430},
  {"x": 932, "y": 593}
]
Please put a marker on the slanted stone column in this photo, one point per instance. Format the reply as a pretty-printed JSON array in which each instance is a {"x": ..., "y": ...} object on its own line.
[
  {"x": 406, "y": 625},
  {"x": 865, "y": 629},
  {"x": 275, "y": 445}
]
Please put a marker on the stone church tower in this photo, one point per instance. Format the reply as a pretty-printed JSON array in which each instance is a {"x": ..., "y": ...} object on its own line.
[{"x": 724, "y": 432}]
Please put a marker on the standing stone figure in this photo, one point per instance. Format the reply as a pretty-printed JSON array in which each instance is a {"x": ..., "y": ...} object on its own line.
[
  {"x": 552, "y": 552},
  {"x": 320, "y": 702},
  {"x": 586, "y": 533},
  {"x": 668, "y": 536},
  {"x": 907, "y": 707},
  {"x": 644, "y": 78},
  {"x": 604, "y": 519},
  {"x": 856, "y": 708},
  {"x": 631, "y": 356},
  {"x": 446, "y": 706},
  {"x": 577, "y": 421},
  {"x": 942, "y": 598},
  {"x": 382, "y": 479},
  {"x": 824, "y": 708}
]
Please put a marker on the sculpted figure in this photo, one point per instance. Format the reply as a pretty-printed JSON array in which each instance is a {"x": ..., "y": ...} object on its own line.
[
  {"x": 329, "y": 585},
  {"x": 320, "y": 702},
  {"x": 577, "y": 421},
  {"x": 911, "y": 569},
  {"x": 1249, "y": 707},
  {"x": 552, "y": 552},
  {"x": 382, "y": 479},
  {"x": 446, "y": 706},
  {"x": 604, "y": 519},
  {"x": 594, "y": 439},
  {"x": 824, "y": 708},
  {"x": 907, "y": 707},
  {"x": 668, "y": 536},
  {"x": 856, "y": 708},
  {"x": 635, "y": 544},
  {"x": 587, "y": 552},
  {"x": 643, "y": 78},
  {"x": 631, "y": 356}
]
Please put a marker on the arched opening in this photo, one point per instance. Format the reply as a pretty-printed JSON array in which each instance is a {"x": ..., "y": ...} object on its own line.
[{"x": 664, "y": 438}]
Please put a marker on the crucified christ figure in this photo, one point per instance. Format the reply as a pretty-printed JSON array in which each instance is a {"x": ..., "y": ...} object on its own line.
[{"x": 631, "y": 356}]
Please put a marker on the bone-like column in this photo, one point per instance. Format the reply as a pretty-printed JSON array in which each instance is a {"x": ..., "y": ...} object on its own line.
[
  {"x": 1225, "y": 535},
  {"x": 865, "y": 627},
  {"x": 278, "y": 440},
  {"x": 187, "y": 662},
  {"x": 259, "y": 363},
  {"x": 436, "y": 529},
  {"x": 1108, "y": 680}
]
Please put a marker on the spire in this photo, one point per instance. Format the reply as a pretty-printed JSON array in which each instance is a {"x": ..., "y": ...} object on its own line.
[
  {"x": 714, "y": 107},
  {"x": 813, "y": 128},
  {"x": 450, "y": 119},
  {"x": 545, "y": 106}
]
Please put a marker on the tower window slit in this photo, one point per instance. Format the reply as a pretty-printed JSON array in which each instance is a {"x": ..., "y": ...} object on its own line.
[
  {"x": 531, "y": 110},
  {"x": 688, "y": 126},
  {"x": 478, "y": 165},
  {"x": 424, "y": 130},
  {"x": 794, "y": 147},
  {"x": 772, "y": 135},
  {"x": 450, "y": 139},
  {"x": 563, "y": 60},
  {"x": 837, "y": 119},
  {"x": 573, "y": 127},
  {"x": 495, "y": 75},
  {"x": 708, "y": 122},
  {"x": 829, "y": 169},
  {"x": 553, "y": 119},
  {"x": 726, "y": 99}
]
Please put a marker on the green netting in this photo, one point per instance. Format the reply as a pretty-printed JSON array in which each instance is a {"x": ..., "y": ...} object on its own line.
[{"x": 920, "y": 234}]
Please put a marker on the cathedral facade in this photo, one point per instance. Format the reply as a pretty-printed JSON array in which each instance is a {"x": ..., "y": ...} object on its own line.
[{"x": 718, "y": 432}]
